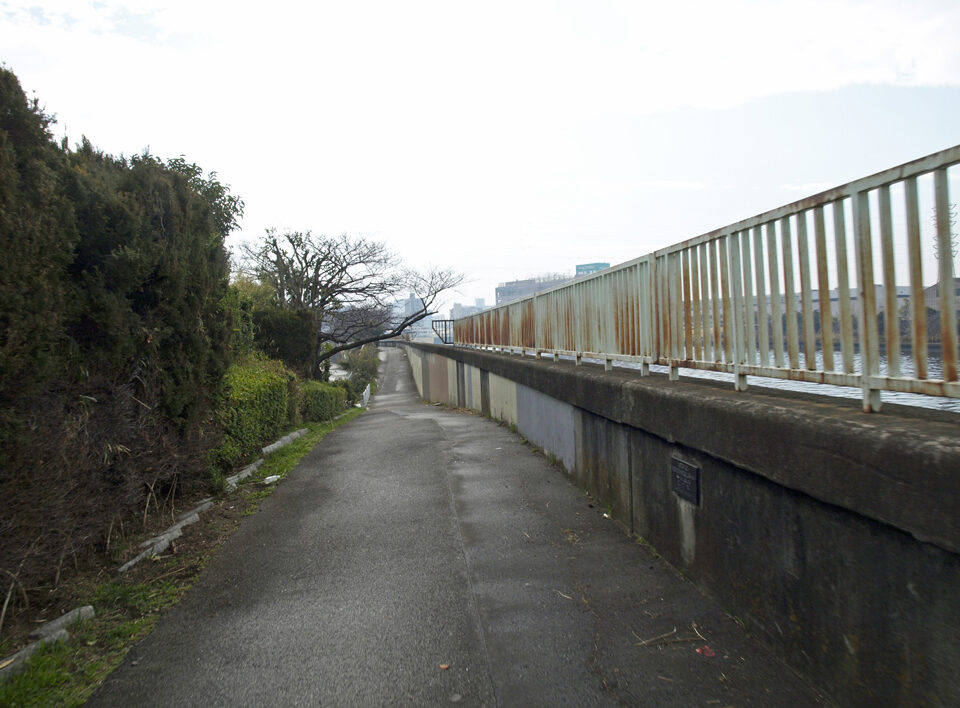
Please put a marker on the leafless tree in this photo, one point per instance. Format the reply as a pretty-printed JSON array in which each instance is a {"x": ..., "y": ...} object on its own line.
[{"x": 348, "y": 283}]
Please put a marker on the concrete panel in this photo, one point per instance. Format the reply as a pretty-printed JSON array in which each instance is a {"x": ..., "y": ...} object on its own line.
[
  {"x": 439, "y": 386},
  {"x": 548, "y": 423},
  {"x": 451, "y": 383},
  {"x": 503, "y": 399},
  {"x": 485, "y": 392},
  {"x": 416, "y": 367},
  {"x": 425, "y": 376},
  {"x": 475, "y": 401},
  {"x": 461, "y": 385},
  {"x": 603, "y": 462},
  {"x": 471, "y": 387}
]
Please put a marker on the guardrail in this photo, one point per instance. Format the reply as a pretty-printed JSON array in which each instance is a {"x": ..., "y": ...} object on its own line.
[
  {"x": 746, "y": 298},
  {"x": 444, "y": 330}
]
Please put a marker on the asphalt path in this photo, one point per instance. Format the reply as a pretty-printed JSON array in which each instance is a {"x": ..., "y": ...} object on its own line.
[{"x": 422, "y": 556}]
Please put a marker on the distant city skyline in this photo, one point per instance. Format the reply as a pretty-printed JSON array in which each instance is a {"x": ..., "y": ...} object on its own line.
[{"x": 502, "y": 139}]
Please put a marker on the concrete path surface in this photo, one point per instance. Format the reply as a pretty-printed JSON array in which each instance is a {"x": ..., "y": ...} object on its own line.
[{"x": 416, "y": 538}]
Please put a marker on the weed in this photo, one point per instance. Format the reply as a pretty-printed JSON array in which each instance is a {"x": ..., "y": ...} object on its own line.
[{"x": 218, "y": 483}]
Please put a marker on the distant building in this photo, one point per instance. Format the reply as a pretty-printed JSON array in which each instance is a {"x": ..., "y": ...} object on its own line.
[
  {"x": 931, "y": 295},
  {"x": 459, "y": 310},
  {"x": 588, "y": 268},
  {"x": 421, "y": 330},
  {"x": 522, "y": 288},
  {"x": 410, "y": 306},
  {"x": 880, "y": 299}
]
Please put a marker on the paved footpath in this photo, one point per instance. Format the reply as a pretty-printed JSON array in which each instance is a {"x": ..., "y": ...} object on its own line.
[{"x": 416, "y": 538}]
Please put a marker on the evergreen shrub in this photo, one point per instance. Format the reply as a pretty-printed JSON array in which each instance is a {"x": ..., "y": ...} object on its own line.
[
  {"x": 116, "y": 329},
  {"x": 254, "y": 409},
  {"x": 322, "y": 401}
]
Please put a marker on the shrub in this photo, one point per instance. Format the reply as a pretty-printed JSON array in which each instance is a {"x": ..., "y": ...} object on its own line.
[
  {"x": 322, "y": 401},
  {"x": 254, "y": 409},
  {"x": 362, "y": 364},
  {"x": 347, "y": 388},
  {"x": 115, "y": 334}
]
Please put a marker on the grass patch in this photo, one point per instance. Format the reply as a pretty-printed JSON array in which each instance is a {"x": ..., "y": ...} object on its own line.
[
  {"x": 286, "y": 458},
  {"x": 128, "y": 606},
  {"x": 66, "y": 673}
]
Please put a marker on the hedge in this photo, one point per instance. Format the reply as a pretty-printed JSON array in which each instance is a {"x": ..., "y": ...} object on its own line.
[
  {"x": 255, "y": 409},
  {"x": 322, "y": 401}
]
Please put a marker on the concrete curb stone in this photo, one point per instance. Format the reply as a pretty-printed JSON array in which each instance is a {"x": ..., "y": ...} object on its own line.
[{"x": 52, "y": 631}]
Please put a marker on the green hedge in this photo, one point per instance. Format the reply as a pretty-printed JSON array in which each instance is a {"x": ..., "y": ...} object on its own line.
[
  {"x": 255, "y": 409},
  {"x": 322, "y": 401}
]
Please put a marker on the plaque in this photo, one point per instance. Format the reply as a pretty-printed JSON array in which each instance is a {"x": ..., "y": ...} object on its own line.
[{"x": 685, "y": 480}]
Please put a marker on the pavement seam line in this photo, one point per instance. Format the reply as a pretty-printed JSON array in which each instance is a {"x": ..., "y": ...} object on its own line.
[{"x": 466, "y": 561}]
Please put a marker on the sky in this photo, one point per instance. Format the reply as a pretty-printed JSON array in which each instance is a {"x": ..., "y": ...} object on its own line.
[{"x": 501, "y": 139}]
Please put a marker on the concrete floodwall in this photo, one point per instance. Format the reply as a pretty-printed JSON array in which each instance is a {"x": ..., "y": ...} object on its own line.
[{"x": 833, "y": 534}]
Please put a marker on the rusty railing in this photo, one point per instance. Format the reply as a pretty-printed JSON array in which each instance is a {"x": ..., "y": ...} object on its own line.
[{"x": 749, "y": 298}]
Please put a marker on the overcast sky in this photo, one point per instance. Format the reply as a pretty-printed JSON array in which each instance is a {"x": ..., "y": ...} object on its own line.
[{"x": 503, "y": 139}]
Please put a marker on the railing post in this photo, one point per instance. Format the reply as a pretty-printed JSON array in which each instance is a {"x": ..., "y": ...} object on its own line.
[
  {"x": 948, "y": 298},
  {"x": 654, "y": 304},
  {"x": 737, "y": 325},
  {"x": 674, "y": 312},
  {"x": 869, "y": 354}
]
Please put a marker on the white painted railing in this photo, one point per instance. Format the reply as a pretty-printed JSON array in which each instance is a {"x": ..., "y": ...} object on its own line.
[{"x": 749, "y": 298}]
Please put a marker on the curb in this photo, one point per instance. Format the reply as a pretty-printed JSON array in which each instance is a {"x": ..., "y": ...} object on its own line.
[
  {"x": 49, "y": 633},
  {"x": 158, "y": 544}
]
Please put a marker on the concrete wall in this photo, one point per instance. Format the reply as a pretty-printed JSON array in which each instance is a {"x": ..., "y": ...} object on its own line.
[{"x": 835, "y": 535}]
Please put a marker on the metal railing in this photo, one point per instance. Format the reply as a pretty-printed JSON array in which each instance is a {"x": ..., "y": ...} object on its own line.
[
  {"x": 749, "y": 298},
  {"x": 444, "y": 330}
]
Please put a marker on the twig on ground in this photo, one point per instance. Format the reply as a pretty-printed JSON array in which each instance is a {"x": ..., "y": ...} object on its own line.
[
  {"x": 662, "y": 639},
  {"x": 169, "y": 573},
  {"x": 3, "y": 613},
  {"x": 645, "y": 642}
]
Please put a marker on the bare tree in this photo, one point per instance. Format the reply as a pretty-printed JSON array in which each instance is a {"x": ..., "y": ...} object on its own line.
[{"x": 348, "y": 283}]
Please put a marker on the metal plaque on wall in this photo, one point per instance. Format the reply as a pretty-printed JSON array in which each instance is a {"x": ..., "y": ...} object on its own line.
[{"x": 685, "y": 480}]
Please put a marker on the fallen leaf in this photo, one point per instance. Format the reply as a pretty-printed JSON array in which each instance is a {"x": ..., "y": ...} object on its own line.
[
  {"x": 444, "y": 667},
  {"x": 706, "y": 651},
  {"x": 6, "y": 663}
]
